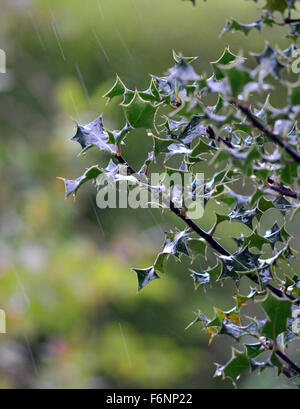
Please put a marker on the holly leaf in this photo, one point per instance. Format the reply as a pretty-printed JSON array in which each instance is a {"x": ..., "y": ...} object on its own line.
[
  {"x": 276, "y": 5},
  {"x": 255, "y": 349},
  {"x": 268, "y": 62},
  {"x": 233, "y": 25},
  {"x": 278, "y": 311},
  {"x": 227, "y": 58},
  {"x": 145, "y": 276},
  {"x": 72, "y": 186},
  {"x": 93, "y": 134},
  {"x": 200, "y": 278},
  {"x": 139, "y": 113},
  {"x": 117, "y": 89},
  {"x": 235, "y": 367},
  {"x": 237, "y": 331}
]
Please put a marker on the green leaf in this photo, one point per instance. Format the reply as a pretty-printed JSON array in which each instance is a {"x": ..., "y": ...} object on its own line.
[
  {"x": 237, "y": 331},
  {"x": 231, "y": 268},
  {"x": 200, "y": 278},
  {"x": 268, "y": 62},
  {"x": 235, "y": 367},
  {"x": 94, "y": 134},
  {"x": 179, "y": 57},
  {"x": 237, "y": 78},
  {"x": 276, "y": 5},
  {"x": 140, "y": 113},
  {"x": 145, "y": 276},
  {"x": 197, "y": 247},
  {"x": 253, "y": 350},
  {"x": 117, "y": 89},
  {"x": 175, "y": 243},
  {"x": 226, "y": 58},
  {"x": 233, "y": 25},
  {"x": 183, "y": 72},
  {"x": 72, "y": 186},
  {"x": 159, "y": 264},
  {"x": 277, "y": 311}
]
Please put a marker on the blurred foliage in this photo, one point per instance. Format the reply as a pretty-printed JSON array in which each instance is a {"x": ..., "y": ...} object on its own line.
[{"x": 73, "y": 318}]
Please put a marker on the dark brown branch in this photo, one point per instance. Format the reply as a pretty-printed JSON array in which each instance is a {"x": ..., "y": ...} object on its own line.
[
  {"x": 211, "y": 133},
  {"x": 259, "y": 125},
  {"x": 283, "y": 190},
  {"x": 289, "y": 20},
  {"x": 286, "y": 359}
]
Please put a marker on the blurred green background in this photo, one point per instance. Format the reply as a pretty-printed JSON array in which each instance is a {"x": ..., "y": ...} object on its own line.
[{"x": 73, "y": 316}]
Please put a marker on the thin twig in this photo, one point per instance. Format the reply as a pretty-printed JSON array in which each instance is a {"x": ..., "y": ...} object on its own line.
[
  {"x": 283, "y": 190},
  {"x": 211, "y": 133},
  {"x": 291, "y": 20},
  {"x": 259, "y": 125},
  {"x": 286, "y": 359}
]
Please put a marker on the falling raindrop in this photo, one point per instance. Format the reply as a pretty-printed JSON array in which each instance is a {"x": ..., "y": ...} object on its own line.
[
  {"x": 83, "y": 83},
  {"x": 100, "y": 9},
  {"x": 101, "y": 46},
  {"x": 58, "y": 40},
  {"x": 35, "y": 26},
  {"x": 124, "y": 44}
]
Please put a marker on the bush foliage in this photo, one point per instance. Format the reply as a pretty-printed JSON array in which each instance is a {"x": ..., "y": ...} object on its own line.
[{"x": 224, "y": 121}]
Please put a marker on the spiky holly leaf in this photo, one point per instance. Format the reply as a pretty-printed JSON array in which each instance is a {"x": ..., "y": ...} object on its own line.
[
  {"x": 273, "y": 235},
  {"x": 231, "y": 268},
  {"x": 254, "y": 240},
  {"x": 242, "y": 300},
  {"x": 268, "y": 62},
  {"x": 232, "y": 315},
  {"x": 278, "y": 311},
  {"x": 235, "y": 367},
  {"x": 244, "y": 215},
  {"x": 200, "y": 278},
  {"x": 178, "y": 57},
  {"x": 175, "y": 243},
  {"x": 233, "y": 25},
  {"x": 151, "y": 94},
  {"x": 237, "y": 331},
  {"x": 145, "y": 276},
  {"x": 247, "y": 258},
  {"x": 140, "y": 113},
  {"x": 227, "y": 58},
  {"x": 72, "y": 186},
  {"x": 255, "y": 349},
  {"x": 197, "y": 247},
  {"x": 94, "y": 134},
  {"x": 117, "y": 89},
  {"x": 194, "y": 128},
  {"x": 183, "y": 72}
]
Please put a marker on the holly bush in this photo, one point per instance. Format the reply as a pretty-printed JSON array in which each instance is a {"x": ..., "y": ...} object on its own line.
[{"x": 224, "y": 123}]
